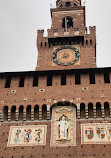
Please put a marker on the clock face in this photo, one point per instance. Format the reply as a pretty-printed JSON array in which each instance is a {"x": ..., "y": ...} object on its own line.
[{"x": 66, "y": 55}]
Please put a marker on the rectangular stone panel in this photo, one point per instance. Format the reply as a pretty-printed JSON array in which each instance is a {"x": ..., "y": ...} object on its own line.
[
  {"x": 63, "y": 126},
  {"x": 27, "y": 135},
  {"x": 96, "y": 133}
]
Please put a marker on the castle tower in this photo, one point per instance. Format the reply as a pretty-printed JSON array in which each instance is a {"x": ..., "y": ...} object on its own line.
[
  {"x": 68, "y": 44},
  {"x": 63, "y": 109}
]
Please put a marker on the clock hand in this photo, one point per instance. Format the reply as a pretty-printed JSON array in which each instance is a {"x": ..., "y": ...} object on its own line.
[{"x": 65, "y": 54}]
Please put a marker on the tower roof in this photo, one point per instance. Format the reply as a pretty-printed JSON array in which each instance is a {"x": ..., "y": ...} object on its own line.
[{"x": 68, "y": 3}]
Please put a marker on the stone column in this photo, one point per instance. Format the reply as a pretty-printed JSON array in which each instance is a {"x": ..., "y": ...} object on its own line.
[
  {"x": 24, "y": 115},
  {"x": 32, "y": 114},
  {"x": 40, "y": 114},
  {"x": 9, "y": 115},
  {"x": 78, "y": 111},
  {"x": 94, "y": 112},
  {"x": 102, "y": 111},
  {"x": 16, "y": 115},
  {"x": 86, "y": 112},
  {"x": 48, "y": 112},
  {"x": 1, "y": 116}
]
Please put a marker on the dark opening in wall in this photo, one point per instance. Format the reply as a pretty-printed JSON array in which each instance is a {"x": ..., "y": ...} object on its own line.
[
  {"x": 106, "y": 78},
  {"x": 75, "y": 4},
  {"x": 91, "y": 41},
  {"x": 77, "y": 78},
  {"x": 41, "y": 44},
  {"x": 63, "y": 79},
  {"x": 21, "y": 108},
  {"x": 21, "y": 82},
  {"x": 60, "y": 6},
  {"x": 28, "y": 110},
  {"x": 5, "y": 113},
  {"x": 49, "y": 80},
  {"x": 35, "y": 81},
  {"x": 67, "y": 22},
  {"x": 68, "y": 4},
  {"x": 86, "y": 41},
  {"x": 8, "y": 82},
  {"x": 44, "y": 112},
  {"x": 92, "y": 78}
]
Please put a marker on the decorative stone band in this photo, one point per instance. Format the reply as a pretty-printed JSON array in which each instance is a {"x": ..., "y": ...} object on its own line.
[
  {"x": 1, "y": 116},
  {"x": 40, "y": 114},
  {"x": 9, "y": 115},
  {"x": 16, "y": 115}
]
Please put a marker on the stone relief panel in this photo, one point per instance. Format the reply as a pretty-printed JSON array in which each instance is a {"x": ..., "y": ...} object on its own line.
[
  {"x": 27, "y": 135},
  {"x": 96, "y": 133},
  {"x": 63, "y": 126}
]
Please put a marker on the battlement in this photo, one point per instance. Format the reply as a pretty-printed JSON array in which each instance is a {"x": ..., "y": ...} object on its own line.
[{"x": 71, "y": 32}]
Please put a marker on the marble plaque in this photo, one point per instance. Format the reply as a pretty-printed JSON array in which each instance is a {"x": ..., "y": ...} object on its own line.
[
  {"x": 63, "y": 126},
  {"x": 27, "y": 135},
  {"x": 96, "y": 133}
]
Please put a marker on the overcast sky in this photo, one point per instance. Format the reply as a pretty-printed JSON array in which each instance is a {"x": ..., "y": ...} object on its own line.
[{"x": 20, "y": 19}]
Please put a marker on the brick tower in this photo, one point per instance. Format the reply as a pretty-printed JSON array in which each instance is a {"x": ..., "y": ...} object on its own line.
[
  {"x": 63, "y": 108},
  {"x": 68, "y": 32}
]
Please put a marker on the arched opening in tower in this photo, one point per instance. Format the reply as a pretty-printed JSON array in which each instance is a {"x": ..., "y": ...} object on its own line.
[
  {"x": 28, "y": 112},
  {"x": 106, "y": 109},
  {"x": 67, "y": 23},
  {"x": 13, "y": 110},
  {"x": 82, "y": 110},
  {"x": 44, "y": 112},
  {"x": 36, "y": 112},
  {"x": 90, "y": 110},
  {"x": 21, "y": 112},
  {"x": 98, "y": 110},
  {"x": 5, "y": 113}
]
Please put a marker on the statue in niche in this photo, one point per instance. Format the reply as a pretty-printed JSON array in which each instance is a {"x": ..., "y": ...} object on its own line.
[{"x": 63, "y": 128}]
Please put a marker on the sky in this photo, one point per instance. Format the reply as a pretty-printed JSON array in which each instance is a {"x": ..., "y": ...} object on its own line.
[{"x": 20, "y": 20}]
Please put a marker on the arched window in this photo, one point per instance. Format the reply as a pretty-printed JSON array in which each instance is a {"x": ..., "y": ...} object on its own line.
[
  {"x": 98, "y": 110},
  {"x": 90, "y": 110},
  {"x": 5, "y": 111},
  {"x": 44, "y": 112},
  {"x": 28, "y": 112},
  {"x": 13, "y": 110},
  {"x": 106, "y": 109},
  {"x": 68, "y": 4},
  {"x": 36, "y": 112},
  {"x": 82, "y": 110},
  {"x": 21, "y": 108},
  {"x": 67, "y": 22}
]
